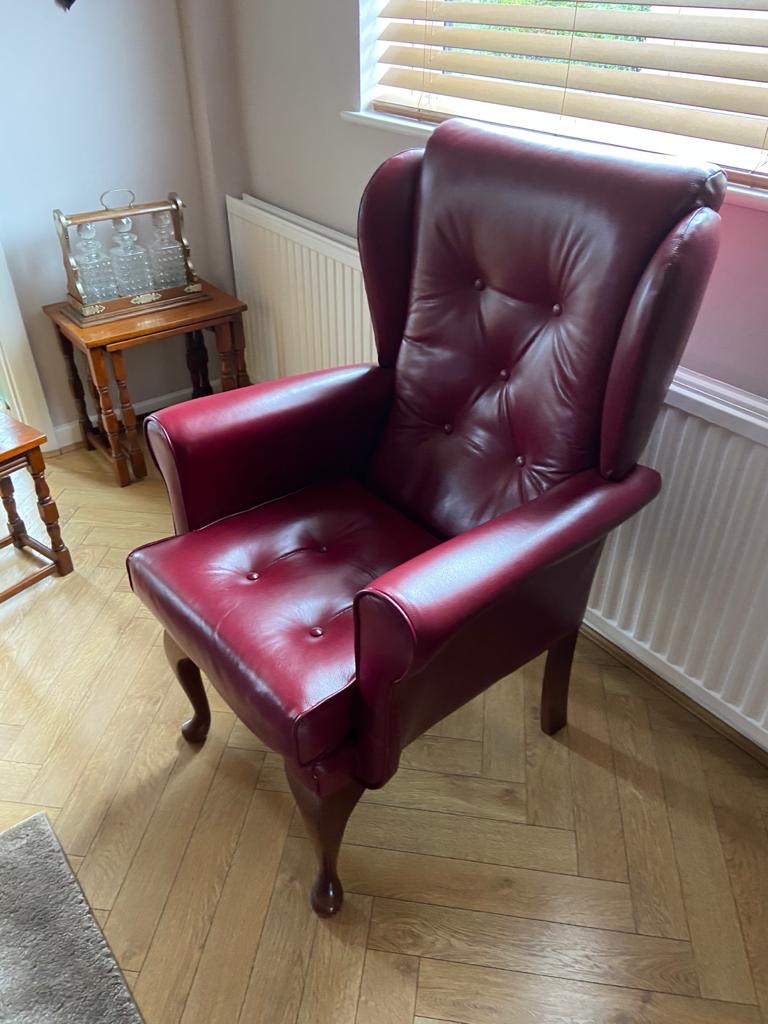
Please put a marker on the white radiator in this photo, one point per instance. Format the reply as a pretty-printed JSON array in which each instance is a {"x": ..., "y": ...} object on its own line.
[
  {"x": 304, "y": 288},
  {"x": 683, "y": 586}
]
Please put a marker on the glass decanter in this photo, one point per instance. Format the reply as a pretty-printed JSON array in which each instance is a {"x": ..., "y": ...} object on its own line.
[
  {"x": 95, "y": 268},
  {"x": 130, "y": 260},
  {"x": 166, "y": 254}
]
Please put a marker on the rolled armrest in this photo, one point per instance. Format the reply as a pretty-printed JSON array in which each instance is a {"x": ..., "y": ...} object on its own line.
[
  {"x": 410, "y": 612},
  {"x": 228, "y": 452}
]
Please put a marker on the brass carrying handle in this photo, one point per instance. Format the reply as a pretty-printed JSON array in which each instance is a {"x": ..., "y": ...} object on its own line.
[{"x": 112, "y": 191}]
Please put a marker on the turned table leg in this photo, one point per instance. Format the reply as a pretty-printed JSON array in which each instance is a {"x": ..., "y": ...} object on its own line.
[
  {"x": 226, "y": 356},
  {"x": 16, "y": 527},
  {"x": 76, "y": 387},
  {"x": 49, "y": 513},
  {"x": 108, "y": 418},
  {"x": 197, "y": 364},
  {"x": 238, "y": 343},
  {"x": 128, "y": 413},
  {"x": 93, "y": 391}
]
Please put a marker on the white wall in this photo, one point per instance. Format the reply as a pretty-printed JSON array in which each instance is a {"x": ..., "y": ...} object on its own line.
[
  {"x": 92, "y": 99},
  {"x": 299, "y": 70}
]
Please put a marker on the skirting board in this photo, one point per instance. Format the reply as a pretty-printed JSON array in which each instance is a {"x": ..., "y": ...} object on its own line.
[
  {"x": 68, "y": 434},
  {"x": 673, "y": 690}
]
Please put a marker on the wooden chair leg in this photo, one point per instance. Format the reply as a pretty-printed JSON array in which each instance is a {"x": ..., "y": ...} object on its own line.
[
  {"x": 196, "y": 728},
  {"x": 554, "y": 688},
  {"x": 326, "y": 818}
]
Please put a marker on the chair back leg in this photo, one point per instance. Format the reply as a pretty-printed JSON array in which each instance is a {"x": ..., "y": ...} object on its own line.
[
  {"x": 186, "y": 671},
  {"x": 554, "y": 688},
  {"x": 325, "y": 818}
]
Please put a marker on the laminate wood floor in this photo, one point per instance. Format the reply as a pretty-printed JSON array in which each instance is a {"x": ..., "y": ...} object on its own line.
[{"x": 615, "y": 873}]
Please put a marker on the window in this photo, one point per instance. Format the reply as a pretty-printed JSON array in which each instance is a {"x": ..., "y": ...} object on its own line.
[{"x": 687, "y": 76}]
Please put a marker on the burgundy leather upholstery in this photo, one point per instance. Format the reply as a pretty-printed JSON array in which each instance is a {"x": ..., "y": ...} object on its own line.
[
  {"x": 515, "y": 307},
  {"x": 653, "y": 336},
  {"x": 530, "y": 299},
  {"x": 219, "y": 455},
  {"x": 387, "y": 229},
  {"x": 253, "y": 597}
]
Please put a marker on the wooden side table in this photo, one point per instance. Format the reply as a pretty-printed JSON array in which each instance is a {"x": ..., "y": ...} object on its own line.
[
  {"x": 103, "y": 344},
  {"x": 20, "y": 449}
]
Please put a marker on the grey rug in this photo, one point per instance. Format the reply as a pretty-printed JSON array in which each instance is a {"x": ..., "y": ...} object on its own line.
[{"x": 55, "y": 965}]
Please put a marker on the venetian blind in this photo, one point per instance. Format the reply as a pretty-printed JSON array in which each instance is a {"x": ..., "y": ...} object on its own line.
[{"x": 692, "y": 69}]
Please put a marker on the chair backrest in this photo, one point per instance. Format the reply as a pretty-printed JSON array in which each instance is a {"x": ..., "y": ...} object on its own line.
[{"x": 534, "y": 295}]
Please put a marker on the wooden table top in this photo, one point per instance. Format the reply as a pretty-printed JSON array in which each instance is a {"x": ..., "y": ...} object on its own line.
[
  {"x": 177, "y": 319},
  {"x": 17, "y": 438}
]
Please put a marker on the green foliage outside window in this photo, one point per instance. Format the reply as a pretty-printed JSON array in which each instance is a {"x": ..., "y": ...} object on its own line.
[{"x": 559, "y": 32}]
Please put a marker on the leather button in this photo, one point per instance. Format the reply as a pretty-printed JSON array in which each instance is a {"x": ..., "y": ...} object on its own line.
[
  {"x": 504, "y": 374},
  {"x": 316, "y": 631},
  {"x": 479, "y": 283},
  {"x": 323, "y": 549},
  {"x": 520, "y": 460},
  {"x": 448, "y": 429},
  {"x": 252, "y": 576},
  {"x": 557, "y": 309}
]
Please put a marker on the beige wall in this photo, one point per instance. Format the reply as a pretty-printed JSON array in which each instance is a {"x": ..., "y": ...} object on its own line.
[
  {"x": 92, "y": 99},
  {"x": 299, "y": 69},
  {"x": 208, "y": 36}
]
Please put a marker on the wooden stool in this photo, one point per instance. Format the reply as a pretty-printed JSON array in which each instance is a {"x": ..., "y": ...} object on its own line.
[{"x": 20, "y": 449}]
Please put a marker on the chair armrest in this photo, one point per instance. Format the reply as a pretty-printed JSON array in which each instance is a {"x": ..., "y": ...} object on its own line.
[
  {"x": 229, "y": 452},
  {"x": 408, "y": 613}
]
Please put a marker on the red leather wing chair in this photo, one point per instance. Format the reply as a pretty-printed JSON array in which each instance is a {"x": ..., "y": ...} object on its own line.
[{"x": 361, "y": 551}]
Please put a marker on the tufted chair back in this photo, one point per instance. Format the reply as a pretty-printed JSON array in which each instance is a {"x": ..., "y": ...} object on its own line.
[{"x": 508, "y": 275}]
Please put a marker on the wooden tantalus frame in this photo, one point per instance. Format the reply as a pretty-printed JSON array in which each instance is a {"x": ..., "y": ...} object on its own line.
[{"x": 83, "y": 312}]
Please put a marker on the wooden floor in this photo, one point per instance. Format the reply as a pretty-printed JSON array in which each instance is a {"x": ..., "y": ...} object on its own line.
[{"x": 617, "y": 873}]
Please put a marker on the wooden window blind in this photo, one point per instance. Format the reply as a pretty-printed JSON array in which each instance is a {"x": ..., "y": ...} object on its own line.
[{"x": 666, "y": 72}]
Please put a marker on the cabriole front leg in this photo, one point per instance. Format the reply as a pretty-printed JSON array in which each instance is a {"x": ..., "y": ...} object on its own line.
[
  {"x": 326, "y": 819},
  {"x": 195, "y": 730}
]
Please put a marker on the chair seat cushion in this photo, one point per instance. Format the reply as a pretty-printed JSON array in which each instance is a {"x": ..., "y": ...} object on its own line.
[{"x": 262, "y": 603}]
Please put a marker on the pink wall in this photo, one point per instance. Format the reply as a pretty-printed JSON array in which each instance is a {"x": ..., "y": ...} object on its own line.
[{"x": 730, "y": 339}]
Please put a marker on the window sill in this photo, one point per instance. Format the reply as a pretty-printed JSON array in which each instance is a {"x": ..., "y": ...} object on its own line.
[{"x": 737, "y": 195}]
